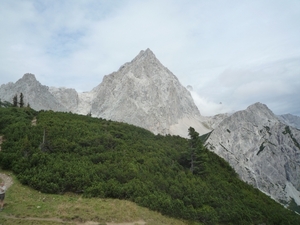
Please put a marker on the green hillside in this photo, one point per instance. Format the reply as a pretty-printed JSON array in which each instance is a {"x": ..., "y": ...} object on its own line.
[{"x": 65, "y": 152}]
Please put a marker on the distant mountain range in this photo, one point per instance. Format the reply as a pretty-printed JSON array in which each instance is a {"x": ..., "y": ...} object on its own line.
[
  {"x": 142, "y": 92},
  {"x": 263, "y": 148}
]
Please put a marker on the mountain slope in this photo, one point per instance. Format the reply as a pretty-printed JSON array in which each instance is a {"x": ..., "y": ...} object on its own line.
[
  {"x": 36, "y": 94},
  {"x": 145, "y": 93},
  {"x": 262, "y": 150},
  {"x": 107, "y": 159}
]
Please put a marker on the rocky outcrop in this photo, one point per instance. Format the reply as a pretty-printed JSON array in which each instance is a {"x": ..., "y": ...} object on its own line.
[
  {"x": 264, "y": 151},
  {"x": 35, "y": 94}
]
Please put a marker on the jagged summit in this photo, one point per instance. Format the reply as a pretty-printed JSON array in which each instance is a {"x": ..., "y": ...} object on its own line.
[
  {"x": 145, "y": 64},
  {"x": 28, "y": 80},
  {"x": 28, "y": 76},
  {"x": 257, "y": 105},
  {"x": 261, "y": 111},
  {"x": 256, "y": 113},
  {"x": 145, "y": 55},
  {"x": 260, "y": 107}
]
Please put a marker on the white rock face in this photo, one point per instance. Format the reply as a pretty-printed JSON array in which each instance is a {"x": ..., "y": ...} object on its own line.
[
  {"x": 263, "y": 151},
  {"x": 37, "y": 95},
  {"x": 68, "y": 97},
  {"x": 85, "y": 102},
  {"x": 146, "y": 94}
]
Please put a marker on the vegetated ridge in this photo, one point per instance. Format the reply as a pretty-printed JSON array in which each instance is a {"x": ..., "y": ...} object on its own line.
[{"x": 178, "y": 177}]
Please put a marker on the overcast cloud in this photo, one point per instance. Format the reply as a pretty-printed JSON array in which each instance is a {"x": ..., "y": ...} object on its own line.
[{"x": 233, "y": 53}]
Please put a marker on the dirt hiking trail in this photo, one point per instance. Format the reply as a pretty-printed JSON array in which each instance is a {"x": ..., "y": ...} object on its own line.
[
  {"x": 7, "y": 180},
  {"x": 140, "y": 222}
]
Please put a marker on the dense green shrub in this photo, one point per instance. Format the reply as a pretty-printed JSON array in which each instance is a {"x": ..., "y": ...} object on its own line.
[{"x": 99, "y": 158}]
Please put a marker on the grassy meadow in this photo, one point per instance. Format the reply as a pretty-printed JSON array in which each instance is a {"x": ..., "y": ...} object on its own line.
[{"x": 23, "y": 205}]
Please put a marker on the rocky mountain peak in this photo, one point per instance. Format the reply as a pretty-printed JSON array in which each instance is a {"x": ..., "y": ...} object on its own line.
[
  {"x": 146, "y": 94},
  {"x": 257, "y": 114},
  {"x": 146, "y": 60},
  {"x": 28, "y": 79},
  {"x": 145, "y": 54},
  {"x": 261, "y": 109},
  {"x": 29, "y": 76}
]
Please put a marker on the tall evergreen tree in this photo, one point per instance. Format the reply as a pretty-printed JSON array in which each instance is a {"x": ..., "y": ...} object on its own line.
[
  {"x": 198, "y": 154},
  {"x": 15, "y": 101},
  {"x": 21, "y": 100}
]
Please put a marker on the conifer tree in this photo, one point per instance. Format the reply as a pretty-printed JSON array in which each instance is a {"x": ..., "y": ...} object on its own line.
[
  {"x": 21, "y": 100},
  {"x": 198, "y": 154},
  {"x": 15, "y": 101}
]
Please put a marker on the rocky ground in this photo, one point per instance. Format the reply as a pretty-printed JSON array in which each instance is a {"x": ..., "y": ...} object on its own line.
[{"x": 7, "y": 179}]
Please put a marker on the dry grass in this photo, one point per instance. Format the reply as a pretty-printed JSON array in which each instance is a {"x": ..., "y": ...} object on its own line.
[{"x": 27, "y": 206}]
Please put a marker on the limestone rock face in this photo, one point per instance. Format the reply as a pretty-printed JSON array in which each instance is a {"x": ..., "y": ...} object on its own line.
[
  {"x": 264, "y": 151},
  {"x": 145, "y": 93},
  {"x": 68, "y": 97},
  {"x": 37, "y": 95}
]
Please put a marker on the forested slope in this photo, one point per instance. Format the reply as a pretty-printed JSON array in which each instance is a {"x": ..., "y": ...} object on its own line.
[{"x": 178, "y": 177}]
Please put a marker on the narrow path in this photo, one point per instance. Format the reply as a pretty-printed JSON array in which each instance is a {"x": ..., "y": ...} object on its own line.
[
  {"x": 7, "y": 179},
  {"x": 140, "y": 222},
  {"x": 33, "y": 122}
]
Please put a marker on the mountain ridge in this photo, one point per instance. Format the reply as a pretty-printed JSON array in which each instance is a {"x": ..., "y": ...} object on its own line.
[
  {"x": 37, "y": 95},
  {"x": 142, "y": 92}
]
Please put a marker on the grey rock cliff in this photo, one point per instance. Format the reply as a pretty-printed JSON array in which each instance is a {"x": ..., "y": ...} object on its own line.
[
  {"x": 36, "y": 94},
  {"x": 68, "y": 97},
  {"x": 264, "y": 151}
]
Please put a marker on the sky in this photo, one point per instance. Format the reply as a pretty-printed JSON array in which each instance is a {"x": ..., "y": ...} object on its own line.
[{"x": 232, "y": 53}]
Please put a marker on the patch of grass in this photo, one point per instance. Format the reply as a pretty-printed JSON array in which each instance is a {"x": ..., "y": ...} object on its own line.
[{"x": 23, "y": 202}]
